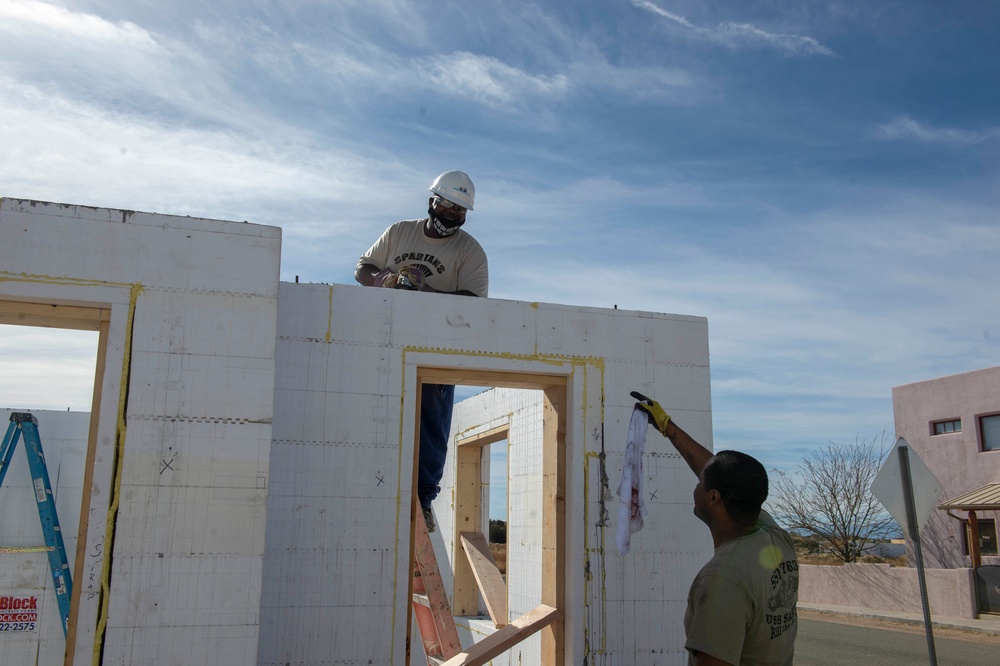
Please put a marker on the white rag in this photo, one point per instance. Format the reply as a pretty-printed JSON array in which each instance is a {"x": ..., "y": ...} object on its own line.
[{"x": 631, "y": 508}]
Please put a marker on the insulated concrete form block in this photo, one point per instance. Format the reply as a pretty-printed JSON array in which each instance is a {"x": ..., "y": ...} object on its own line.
[
  {"x": 201, "y": 323},
  {"x": 130, "y": 247},
  {"x": 339, "y": 462},
  {"x": 189, "y": 521},
  {"x": 185, "y": 453},
  {"x": 191, "y": 386},
  {"x": 191, "y": 644},
  {"x": 334, "y": 480},
  {"x": 179, "y": 591},
  {"x": 191, "y": 330},
  {"x": 472, "y": 324}
]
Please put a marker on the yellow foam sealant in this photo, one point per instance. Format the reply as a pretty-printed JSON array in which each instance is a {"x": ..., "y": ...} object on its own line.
[
  {"x": 7, "y": 276},
  {"x": 109, "y": 531}
]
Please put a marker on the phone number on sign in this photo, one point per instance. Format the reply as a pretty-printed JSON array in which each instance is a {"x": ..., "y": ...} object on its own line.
[{"x": 17, "y": 626}]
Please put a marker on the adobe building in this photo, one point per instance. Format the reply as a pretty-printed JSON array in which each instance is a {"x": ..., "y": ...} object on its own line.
[
  {"x": 242, "y": 490},
  {"x": 953, "y": 424}
]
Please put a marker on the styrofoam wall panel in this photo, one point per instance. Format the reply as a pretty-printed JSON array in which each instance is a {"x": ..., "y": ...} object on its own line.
[
  {"x": 334, "y": 500},
  {"x": 201, "y": 387},
  {"x": 341, "y": 474},
  {"x": 131, "y": 247},
  {"x": 202, "y": 323},
  {"x": 197, "y": 436},
  {"x": 213, "y": 643}
]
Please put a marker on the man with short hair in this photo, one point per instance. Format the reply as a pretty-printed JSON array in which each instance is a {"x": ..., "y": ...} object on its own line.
[
  {"x": 431, "y": 254},
  {"x": 742, "y": 604}
]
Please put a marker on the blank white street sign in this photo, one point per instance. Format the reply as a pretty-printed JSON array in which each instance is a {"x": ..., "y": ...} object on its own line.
[{"x": 888, "y": 487}]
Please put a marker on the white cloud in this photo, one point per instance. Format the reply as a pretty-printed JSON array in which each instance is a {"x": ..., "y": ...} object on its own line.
[
  {"x": 738, "y": 35},
  {"x": 32, "y": 20},
  {"x": 905, "y": 128},
  {"x": 204, "y": 77},
  {"x": 55, "y": 137},
  {"x": 742, "y": 35},
  {"x": 117, "y": 65},
  {"x": 656, "y": 9},
  {"x": 489, "y": 80}
]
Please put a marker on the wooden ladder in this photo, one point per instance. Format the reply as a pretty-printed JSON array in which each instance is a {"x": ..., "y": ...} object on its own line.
[
  {"x": 433, "y": 612},
  {"x": 430, "y": 602}
]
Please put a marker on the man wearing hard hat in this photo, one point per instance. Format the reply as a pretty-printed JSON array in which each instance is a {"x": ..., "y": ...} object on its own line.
[{"x": 431, "y": 254}]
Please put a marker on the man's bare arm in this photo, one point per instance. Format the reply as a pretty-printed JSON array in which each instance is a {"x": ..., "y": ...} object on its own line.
[
  {"x": 365, "y": 273},
  {"x": 694, "y": 454}
]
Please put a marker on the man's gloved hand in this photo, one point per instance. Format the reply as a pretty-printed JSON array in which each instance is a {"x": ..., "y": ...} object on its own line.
[
  {"x": 657, "y": 416},
  {"x": 385, "y": 278},
  {"x": 410, "y": 277}
]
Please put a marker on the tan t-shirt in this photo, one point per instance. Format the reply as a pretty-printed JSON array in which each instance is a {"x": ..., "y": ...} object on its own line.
[
  {"x": 742, "y": 604},
  {"x": 455, "y": 263}
]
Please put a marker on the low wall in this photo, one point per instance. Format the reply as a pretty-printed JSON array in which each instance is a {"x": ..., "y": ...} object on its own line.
[{"x": 951, "y": 592}]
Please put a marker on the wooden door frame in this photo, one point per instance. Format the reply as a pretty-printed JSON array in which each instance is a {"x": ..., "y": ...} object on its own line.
[{"x": 435, "y": 369}]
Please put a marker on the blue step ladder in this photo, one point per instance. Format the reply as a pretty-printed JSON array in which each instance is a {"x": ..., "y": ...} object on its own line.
[{"x": 23, "y": 423}]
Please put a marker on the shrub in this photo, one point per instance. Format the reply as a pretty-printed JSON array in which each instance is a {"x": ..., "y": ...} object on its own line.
[{"x": 498, "y": 531}]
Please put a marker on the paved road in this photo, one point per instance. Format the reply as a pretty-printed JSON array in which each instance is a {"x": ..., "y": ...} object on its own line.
[{"x": 832, "y": 640}]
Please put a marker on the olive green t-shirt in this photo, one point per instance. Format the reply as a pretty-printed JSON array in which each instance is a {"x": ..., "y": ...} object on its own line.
[{"x": 742, "y": 604}]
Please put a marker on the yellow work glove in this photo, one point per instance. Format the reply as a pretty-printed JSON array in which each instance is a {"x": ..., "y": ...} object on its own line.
[{"x": 657, "y": 416}]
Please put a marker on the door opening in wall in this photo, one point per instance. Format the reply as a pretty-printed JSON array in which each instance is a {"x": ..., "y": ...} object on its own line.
[
  {"x": 473, "y": 509},
  {"x": 52, "y": 359}
]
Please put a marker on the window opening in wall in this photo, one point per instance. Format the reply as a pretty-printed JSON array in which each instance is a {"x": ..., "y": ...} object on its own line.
[
  {"x": 496, "y": 453},
  {"x": 987, "y": 537},
  {"x": 944, "y": 427},
  {"x": 989, "y": 431},
  {"x": 473, "y": 494},
  {"x": 50, "y": 356}
]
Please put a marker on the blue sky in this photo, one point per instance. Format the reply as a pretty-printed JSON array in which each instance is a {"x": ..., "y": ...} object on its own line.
[{"x": 820, "y": 180}]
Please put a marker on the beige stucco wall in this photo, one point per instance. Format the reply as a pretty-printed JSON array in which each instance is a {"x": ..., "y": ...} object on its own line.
[
  {"x": 885, "y": 587},
  {"x": 956, "y": 459}
]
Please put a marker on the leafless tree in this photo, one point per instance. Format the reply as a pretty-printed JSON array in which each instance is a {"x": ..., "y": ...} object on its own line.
[{"x": 829, "y": 497}]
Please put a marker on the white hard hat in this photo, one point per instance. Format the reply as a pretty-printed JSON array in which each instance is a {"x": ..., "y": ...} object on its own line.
[{"x": 456, "y": 187}]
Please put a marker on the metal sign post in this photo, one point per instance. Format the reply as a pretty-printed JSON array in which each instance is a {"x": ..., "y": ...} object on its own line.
[
  {"x": 914, "y": 530},
  {"x": 909, "y": 492}
]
